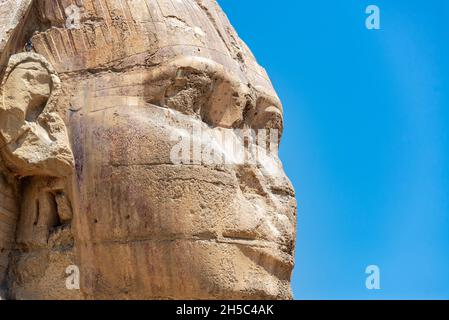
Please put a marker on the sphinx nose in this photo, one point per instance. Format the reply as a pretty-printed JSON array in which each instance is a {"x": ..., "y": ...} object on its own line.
[{"x": 275, "y": 197}]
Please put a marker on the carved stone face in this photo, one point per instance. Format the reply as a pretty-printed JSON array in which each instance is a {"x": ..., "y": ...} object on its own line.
[{"x": 136, "y": 78}]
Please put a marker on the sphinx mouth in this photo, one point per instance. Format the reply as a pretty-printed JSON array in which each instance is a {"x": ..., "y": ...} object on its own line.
[
  {"x": 274, "y": 257},
  {"x": 256, "y": 243}
]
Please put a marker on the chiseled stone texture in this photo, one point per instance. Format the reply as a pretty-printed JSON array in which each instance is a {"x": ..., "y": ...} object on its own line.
[
  {"x": 11, "y": 13},
  {"x": 93, "y": 92}
]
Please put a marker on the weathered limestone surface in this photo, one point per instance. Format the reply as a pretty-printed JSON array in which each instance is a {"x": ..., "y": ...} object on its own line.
[
  {"x": 11, "y": 12},
  {"x": 95, "y": 94}
]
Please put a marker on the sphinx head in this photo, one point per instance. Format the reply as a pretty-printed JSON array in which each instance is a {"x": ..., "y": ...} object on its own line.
[{"x": 122, "y": 132}]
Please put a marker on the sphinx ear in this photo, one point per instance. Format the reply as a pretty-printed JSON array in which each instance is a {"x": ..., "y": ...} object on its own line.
[{"x": 33, "y": 136}]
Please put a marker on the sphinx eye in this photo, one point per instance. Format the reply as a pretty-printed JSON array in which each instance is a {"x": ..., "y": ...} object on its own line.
[{"x": 187, "y": 91}]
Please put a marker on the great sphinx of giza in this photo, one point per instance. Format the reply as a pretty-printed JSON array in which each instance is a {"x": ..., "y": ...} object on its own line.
[{"x": 93, "y": 92}]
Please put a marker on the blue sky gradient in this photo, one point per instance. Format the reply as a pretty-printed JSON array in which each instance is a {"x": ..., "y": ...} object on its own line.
[{"x": 366, "y": 141}]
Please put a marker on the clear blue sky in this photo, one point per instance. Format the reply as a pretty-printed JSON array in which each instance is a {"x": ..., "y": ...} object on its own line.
[{"x": 366, "y": 143}]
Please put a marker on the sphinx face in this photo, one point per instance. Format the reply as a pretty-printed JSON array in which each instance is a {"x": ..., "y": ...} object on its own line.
[
  {"x": 154, "y": 95},
  {"x": 197, "y": 227}
]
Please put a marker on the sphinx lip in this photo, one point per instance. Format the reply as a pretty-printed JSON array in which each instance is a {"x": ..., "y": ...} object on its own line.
[
  {"x": 250, "y": 242},
  {"x": 274, "y": 257},
  {"x": 267, "y": 248},
  {"x": 266, "y": 254}
]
